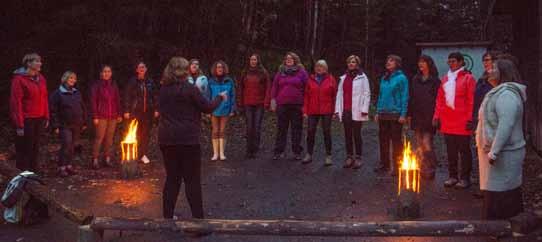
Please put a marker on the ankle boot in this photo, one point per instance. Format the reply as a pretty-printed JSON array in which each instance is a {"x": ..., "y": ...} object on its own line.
[{"x": 222, "y": 144}]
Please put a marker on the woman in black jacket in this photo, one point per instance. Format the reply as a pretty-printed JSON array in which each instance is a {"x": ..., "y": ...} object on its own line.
[
  {"x": 180, "y": 105},
  {"x": 67, "y": 119},
  {"x": 423, "y": 93},
  {"x": 139, "y": 103}
]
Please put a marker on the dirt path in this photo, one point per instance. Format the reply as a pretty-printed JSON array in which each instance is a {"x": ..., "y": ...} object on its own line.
[{"x": 256, "y": 189}]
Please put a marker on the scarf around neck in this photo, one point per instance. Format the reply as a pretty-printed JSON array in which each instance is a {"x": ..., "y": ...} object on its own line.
[
  {"x": 291, "y": 70},
  {"x": 450, "y": 86}
]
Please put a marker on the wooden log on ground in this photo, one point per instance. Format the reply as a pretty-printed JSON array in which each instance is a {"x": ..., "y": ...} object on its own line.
[
  {"x": 86, "y": 234},
  {"x": 525, "y": 223},
  {"x": 310, "y": 228},
  {"x": 129, "y": 170},
  {"x": 45, "y": 195}
]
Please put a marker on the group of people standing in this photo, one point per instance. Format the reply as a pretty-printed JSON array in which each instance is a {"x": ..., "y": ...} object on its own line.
[{"x": 429, "y": 103}]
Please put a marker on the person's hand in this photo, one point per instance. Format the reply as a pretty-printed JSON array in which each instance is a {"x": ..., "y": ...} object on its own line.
[
  {"x": 305, "y": 115},
  {"x": 492, "y": 161},
  {"x": 20, "y": 131},
  {"x": 46, "y": 124},
  {"x": 402, "y": 120},
  {"x": 224, "y": 95},
  {"x": 273, "y": 105},
  {"x": 119, "y": 119},
  {"x": 126, "y": 115},
  {"x": 57, "y": 131},
  {"x": 470, "y": 126},
  {"x": 436, "y": 123},
  {"x": 376, "y": 118},
  {"x": 156, "y": 114},
  {"x": 95, "y": 121},
  {"x": 232, "y": 114},
  {"x": 84, "y": 127}
]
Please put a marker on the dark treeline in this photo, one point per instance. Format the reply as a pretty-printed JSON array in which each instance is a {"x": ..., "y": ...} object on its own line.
[{"x": 82, "y": 35}]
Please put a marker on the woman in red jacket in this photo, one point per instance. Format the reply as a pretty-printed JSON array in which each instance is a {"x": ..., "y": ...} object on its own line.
[
  {"x": 29, "y": 111},
  {"x": 453, "y": 117},
  {"x": 254, "y": 91},
  {"x": 319, "y": 104},
  {"x": 106, "y": 113}
]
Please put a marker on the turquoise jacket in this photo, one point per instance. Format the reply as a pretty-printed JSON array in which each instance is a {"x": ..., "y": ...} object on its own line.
[
  {"x": 215, "y": 88},
  {"x": 393, "y": 96}
]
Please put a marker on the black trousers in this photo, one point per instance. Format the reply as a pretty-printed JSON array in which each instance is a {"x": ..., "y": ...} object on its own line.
[
  {"x": 352, "y": 129},
  {"x": 27, "y": 147},
  {"x": 326, "y": 130},
  {"x": 69, "y": 137},
  {"x": 253, "y": 117},
  {"x": 390, "y": 133},
  {"x": 182, "y": 162},
  {"x": 289, "y": 115},
  {"x": 459, "y": 146},
  {"x": 144, "y": 127},
  {"x": 502, "y": 205}
]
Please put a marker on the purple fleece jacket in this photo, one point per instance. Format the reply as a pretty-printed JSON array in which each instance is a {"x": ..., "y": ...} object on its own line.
[{"x": 288, "y": 89}]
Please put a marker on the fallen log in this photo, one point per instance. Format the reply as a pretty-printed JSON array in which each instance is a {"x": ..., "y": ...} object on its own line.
[
  {"x": 46, "y": 196},
  {"x": 310, "y": 228}
]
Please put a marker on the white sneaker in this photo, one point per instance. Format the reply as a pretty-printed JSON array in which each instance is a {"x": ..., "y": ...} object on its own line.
[{"x": 145, "y": 159}]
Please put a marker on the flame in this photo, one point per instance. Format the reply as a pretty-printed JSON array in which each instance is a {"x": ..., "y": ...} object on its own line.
[
  {"x": 129, "y": 144},
  {"x": 409, "y": 171}
]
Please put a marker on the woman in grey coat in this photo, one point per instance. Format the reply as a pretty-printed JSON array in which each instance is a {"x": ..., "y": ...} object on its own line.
[{"x": 501, "y": 143}]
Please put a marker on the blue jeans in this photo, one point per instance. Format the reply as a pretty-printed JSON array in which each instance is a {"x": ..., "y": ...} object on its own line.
[{"x": 254, "y": 117}]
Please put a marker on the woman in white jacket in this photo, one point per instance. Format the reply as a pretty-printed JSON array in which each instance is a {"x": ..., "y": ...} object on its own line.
[
  {"x": 352, "y": 108},
  {"x": 500, "y": 142}
]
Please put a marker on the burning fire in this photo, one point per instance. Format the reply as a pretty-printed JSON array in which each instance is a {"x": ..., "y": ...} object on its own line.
[
  {"x": 129, "y": 144},
  {"x": 409, "y": 171}
]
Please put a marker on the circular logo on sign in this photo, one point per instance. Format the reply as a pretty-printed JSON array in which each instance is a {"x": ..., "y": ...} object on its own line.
[{"x": 469, "y": 62}]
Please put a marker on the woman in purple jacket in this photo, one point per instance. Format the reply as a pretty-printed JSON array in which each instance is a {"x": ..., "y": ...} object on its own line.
[
  {"x": 106, "y": 113},
  {"x": 287, "y": 102}
]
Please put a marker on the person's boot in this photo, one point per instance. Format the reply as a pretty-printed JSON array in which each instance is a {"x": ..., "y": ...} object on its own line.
[
  {"x": 95, "y": 164},
  {"x": 328, "y": 161},
  {"x": 215, "y": 150},
  {"x": 348, "y": 162},
  {"x": 222, "y": 144},
  {"x": 357, "y": 163},
  {"x": 108, "y": 162},
  {"x": 307, "y": 159}
]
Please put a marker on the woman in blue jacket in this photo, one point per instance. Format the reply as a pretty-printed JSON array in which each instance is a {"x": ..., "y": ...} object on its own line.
[
  {"x": 218, "y": 83},
  {"x": 391, "y": 111}
]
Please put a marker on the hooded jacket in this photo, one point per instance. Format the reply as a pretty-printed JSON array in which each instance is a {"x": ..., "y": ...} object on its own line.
[
  {"x": 105, "y": 100},
  {"x": 289, "y": 88},
  {"x": 454, "y": 120},
  {"x": 29, "y": 98},
  {"x": 67, "y": 107},
  {"x": 500, "y": 137},
  {"x": 393, "y": 96},
  {"x": 217, "y": 86},
  {"x": 140, "y": 97},
  {"x": 361, "y": 97},
  {"x": 320, "y": 97}
]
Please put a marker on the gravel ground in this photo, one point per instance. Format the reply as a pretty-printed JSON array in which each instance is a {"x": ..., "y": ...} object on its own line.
[{"x": 262, "y": 189}]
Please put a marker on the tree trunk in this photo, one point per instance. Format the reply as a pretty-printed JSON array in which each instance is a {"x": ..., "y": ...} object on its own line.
[{"x": 311, "y": 228}]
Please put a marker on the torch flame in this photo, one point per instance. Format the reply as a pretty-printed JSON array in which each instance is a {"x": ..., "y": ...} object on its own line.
[
  {"x": 409, "y": 171},
  {"x": 129, "y": 144}
]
